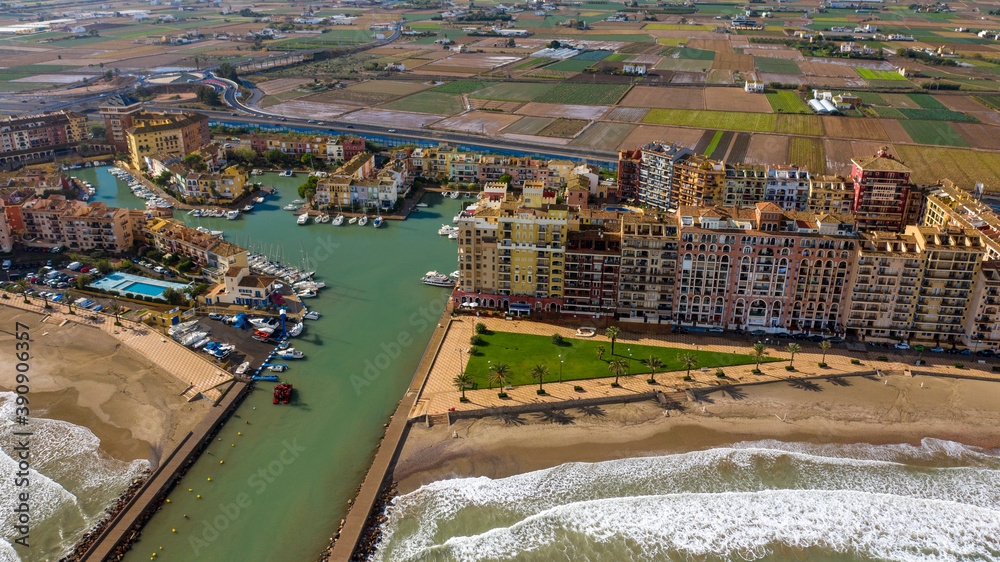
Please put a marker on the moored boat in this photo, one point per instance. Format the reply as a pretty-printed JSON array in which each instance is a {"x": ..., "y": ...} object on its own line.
[
  {"x": 377, "y": 223},
  {"x": 436, "y": 279}
]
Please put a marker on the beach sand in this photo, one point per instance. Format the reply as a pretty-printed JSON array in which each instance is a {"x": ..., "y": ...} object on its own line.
[
  {"x": 84, "y": 376},
  {"x": 895, "y": 409}
]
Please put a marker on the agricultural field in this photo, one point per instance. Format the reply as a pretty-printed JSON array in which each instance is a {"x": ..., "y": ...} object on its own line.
[
  {"x": 799, "y": 125},
  {"x": 513, "y": 91},
  {"x": 808, "y": 153},
  {"x": 606, "y": 136},
  {"x": 462, "y": 86},
  {"x": 565, "y": 128},
  {"x": 777, "y": 66},
  {"x": 786, "y": 101},
  {"x": 665, "y": 98},
  {"x": 584, "y": 94},
  {"x": 731, "y": 120},
  {"x": 964, "y": 167},
  {"x": 480, "y": 122},
  {"x": 933, "y": 132},
  {"x": 869, "y": 74},
  {"x": 428, "y": 102},
  {"x": 528, "y": 125},
  {"x": 735, "y": 99},
  {"x": 854, "y": 128}
]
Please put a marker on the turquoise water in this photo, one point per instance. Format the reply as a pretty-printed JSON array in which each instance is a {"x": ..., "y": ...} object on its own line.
[
  {"x": 286, "y": 480},
  {"x": 128, "y": 283}
]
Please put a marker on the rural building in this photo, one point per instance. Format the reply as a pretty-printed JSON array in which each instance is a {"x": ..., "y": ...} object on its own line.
[{"x": 753, "y": 87}]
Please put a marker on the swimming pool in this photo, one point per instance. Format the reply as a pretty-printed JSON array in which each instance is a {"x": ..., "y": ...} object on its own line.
[{"x": 126, "y": 283}]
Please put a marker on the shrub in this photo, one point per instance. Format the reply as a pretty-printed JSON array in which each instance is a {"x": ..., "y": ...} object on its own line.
[
  {"x": 822, "y": 365},
  {"x": 755, "y": 371},
  {"x": 883, "y": 358},
  {"x": 650, "y": 381},
  {"x": 473, "y": 351},
  {"x": 789, "y": 368},
  {"x": 855, "y": 361},
  {"x": 615, "y": 385},
  {"x": 477, "y": 340},
  {"x": 557, "y": 339},
  {"x": 959, "y": 365},
  {"x": 996, "y": 368},
  {"x": 463, "y": 399},
  {"x": 578, "y": 388},
  {"x": 687, "y": 377},
  {"x": 481, "y": 328},
  {"x": 501, "y": 395},
  {"x": 539, "y": 391},
  {"x": 720, "y": 374}
]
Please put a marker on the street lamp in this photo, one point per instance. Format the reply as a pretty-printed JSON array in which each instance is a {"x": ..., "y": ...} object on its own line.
[
  {"x": 976, "y": 348},
  {"x": 630, "y": 361},
  {"x": 560, "y": 367}
]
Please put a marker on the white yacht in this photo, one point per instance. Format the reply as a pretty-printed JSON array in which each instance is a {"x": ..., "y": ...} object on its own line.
[
  {"x": 324, "y": 218},
  {"x": 311, "y": 315},
  {"x": 437, "y": 280},
  {"x": 363, "y": 220},
  {"x": 446, "y": 230},
  {"x": 455, "y": 194},
  {"x": 303, "y": 219},
  {"x": 298, "y": 202},
  {"x": 453, "y": 235},
  {"x": 307, "y": 294},
  {"x": 232, "y": 215},
  {"x": 295, "y": 330},
  {"x": 339, "y": 220},
  {"x": 290, "y": 207}
]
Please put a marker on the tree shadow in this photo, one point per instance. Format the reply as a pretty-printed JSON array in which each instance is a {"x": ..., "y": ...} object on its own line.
[
  {"x": 869, "y": 377},
  {"x": 555, "y": 416},
  {"x": 592, "y": 411},
  {"x": 734, "y": 392},
  {"x": 803, "y": 384},
  {"x": 838, "y": 381},
  {"x": 509, "y": 419},
  {"x": 702, "y": 396},
  {"x": 674, "y": 407}
]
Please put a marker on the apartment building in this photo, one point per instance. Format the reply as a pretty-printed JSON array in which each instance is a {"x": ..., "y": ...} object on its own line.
[
  {"x": 42, "y": 220},
  {"x": 919, "y": 286},
  {"x": 788, "y": 187},
  {"x": 830, "y": 194},
  {"x": 629, "y": 173},
  {"x": 656, "y": 174},
  {"x": 30, "y": 137},
  {"x": 745, "y": 185},
  {"x": 118, "y": 112},
  {"x": 698, "y": 180},
  {"x": 172, "y": 236},
  {"x": 882, "y": 192},
  {"x": 75, "y": 225},
  {"x": 229, "y": 184},
  {"x": 593, "y": 258},
  {"x": 949, "y": 206},
  {"x": 165, "y": 134},
  {"x": 646, "y": 275}
]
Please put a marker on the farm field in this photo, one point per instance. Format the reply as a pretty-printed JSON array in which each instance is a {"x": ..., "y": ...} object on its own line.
[
  {"x": 735, "y": 99},
  {"x": 665, "y": 98},
  {"x": 514, "y": 91},
  {"x": 645, "y": 134},
  {"x": 754, "y": 122},
  {"x": 799, "y": 125},
  {"x": 767, "y": 149},
  {"x": 481, "y": 122},
  {"x": 808, "y": 153},
  {"x": 626, "y": 114},
  {"x": 606, "y": 136},
  {"x": 964, "y": 167},
  {"x": 786, "y": 101},
  {"x": 933, "y": 132},
  {"x": 778, "y": 66},
  {"x": 462, "y": 86},
  {"x": 428, "y": 102},
  {"x": 584, "y": 94},
  {"x": 528, "y": 125},
  {"x": 980, "y": 136},
  {"x": 565, "y": 128},
  {"x": 854, "y": 128},
  {"x": 589, "y": 112}
]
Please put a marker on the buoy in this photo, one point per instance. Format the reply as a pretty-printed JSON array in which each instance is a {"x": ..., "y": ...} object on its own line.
[
  {"x": 199, "y": 496},
  {"x": 185, "y": 516},
  {"x": 233, "y": 445},
  {"x": 248, "y": 422},
  {"x": 190, "y": 490},
  {"x": 161, "y": 548},
  {"x": 222, "y": 462},
  {"x": 168, "y": 501},
  {"x": 173, "y": 530},
  {"x": 239, "y": 433},
  {"x": 209, "y": 479}
]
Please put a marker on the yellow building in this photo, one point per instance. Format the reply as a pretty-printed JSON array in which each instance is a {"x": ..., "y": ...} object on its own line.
[{"x": 167, "y": 134}]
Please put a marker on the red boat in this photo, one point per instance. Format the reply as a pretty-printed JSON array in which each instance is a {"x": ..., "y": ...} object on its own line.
[{"x": 282, "y": 393}]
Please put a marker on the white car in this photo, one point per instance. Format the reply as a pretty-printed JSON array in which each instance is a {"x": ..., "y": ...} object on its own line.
[
  {"x": 716, "y": 330},
  {"x": 901, "y": 346}
]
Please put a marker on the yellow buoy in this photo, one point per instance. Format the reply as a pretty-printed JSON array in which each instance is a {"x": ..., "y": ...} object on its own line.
[
  {"x": 190, "y": 490},
  {"x": 172, "y": 531},
  {"x": 222, "y": 462},
  {"x": 209, "y": 479},
  {"x": 168, "y": 501},
  {"x": 233, "y": 445},
  {"x": 161, "y": 548},
  {"x": 239, "y": 433},
  {"x": 199, "y": 496}
]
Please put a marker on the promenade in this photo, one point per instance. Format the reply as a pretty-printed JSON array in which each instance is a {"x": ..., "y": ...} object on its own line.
[
  {"x": 440, "y": 396},
  {"x": 201, "y": 375}
]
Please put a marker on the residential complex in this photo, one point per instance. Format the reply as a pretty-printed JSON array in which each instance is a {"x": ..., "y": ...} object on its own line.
[
  {"x": 119, "y": 111},
  {"x": 75, "y": 225},
  {"x": 40, "y": 136},
  {"x": 165, "y": 134}
]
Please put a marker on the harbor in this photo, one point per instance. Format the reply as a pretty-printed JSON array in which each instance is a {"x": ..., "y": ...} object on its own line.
[{"x": 376, "y": 319}]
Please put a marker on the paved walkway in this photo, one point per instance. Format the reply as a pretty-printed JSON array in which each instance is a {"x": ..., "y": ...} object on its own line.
[
  {"x": 201, "y": 375},
  {"x": 440, "y": 395}
]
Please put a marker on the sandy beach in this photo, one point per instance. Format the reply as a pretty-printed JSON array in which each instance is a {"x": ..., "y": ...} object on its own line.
[
  {"x": 895, "y": 409},
  {"x": 84, "y": 376}
]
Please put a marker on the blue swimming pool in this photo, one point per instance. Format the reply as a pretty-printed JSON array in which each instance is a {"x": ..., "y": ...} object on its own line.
[{"x": 126, "y": 283}]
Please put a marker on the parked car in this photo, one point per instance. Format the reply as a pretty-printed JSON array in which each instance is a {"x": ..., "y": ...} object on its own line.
[
  {"x": 716, "y": 330},
  {"x": 782, "y": 335},
  {"x": 901, "y": 346},
  {"x": 937, "y": 349},
  {"x": 758, "y": 333},
  {"x": 965, "y": 352},
  {"x": 816, "y": 338},
  {"x": 215, "y": 316},
  {"x": 85, "y": 269},
  {"x": 985, "y": 353},
  {"x": 835, "y": 340}
]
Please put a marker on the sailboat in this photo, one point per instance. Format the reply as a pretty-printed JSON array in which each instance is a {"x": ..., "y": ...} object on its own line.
[
  {"x": 363, "y": 220},
  {"x": 378, "y": 222},
  {"x": 352, "y": 220},
  {"x": 338, "y": 220}
]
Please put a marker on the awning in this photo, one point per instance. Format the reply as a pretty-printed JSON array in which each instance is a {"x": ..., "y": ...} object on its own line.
[{"x": 520, "y": 306}]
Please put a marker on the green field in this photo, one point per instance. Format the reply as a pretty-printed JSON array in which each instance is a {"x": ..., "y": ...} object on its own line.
[
  {"x": 694, "y": 54},
  {"x": 871, "y": 98},
  {"x": 713, "y": 144},
  {"x": 993, "y": 102},
  {"x": 428, "y": 102},
  {"x": 807, "y": 153},
  {"x": 584, "y": 94},
  {"x": 926, "y": 101},
  {"x": 619, "y": 57},
  {"x": 889, "y": 112},
  {"x": 787, "y": 101},
  {"x": 39, "y": 68},
  {"x": 570, "y": 65},
  {"x": 869, "y": 74},
  {"x": 781, "y": 66},
  {"x": 323, "y": 40},
  {"x": 936, "y": 115},
  {"x": 933, "y": 132},
  {"x": 732, "y": 120},
  {"x": 521, "y": 352},
  {"x": 811, "y": 125},
  {"x": 513, "y": 91},
  {"x": 461, "y": 87}
]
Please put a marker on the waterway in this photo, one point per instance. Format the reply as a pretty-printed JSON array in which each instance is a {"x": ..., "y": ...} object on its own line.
[{"x": 276, "y": 488}]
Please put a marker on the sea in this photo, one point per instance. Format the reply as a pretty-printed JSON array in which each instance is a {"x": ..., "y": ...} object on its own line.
[
  {"x": 288, "y": 474},
  {"x": 761, "y": 500}
]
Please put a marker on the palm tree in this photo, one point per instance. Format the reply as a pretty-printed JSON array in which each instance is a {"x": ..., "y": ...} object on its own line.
[
  {"x": 758, "y": 350},
  {"x": 461, "y": 381},
  {"x": 539, "y": 372},
  {"x": 499, "y": 373},
  {"x": 654, "y": 363},
  {"x": 688, "y": 360},
  {"x": 793, "y": 348},
  {"x": 618, "y": 367},
  {"x": 116, "y": 309},
  {"x": 612, "y": 334},
  {"x": 600, "y": 352},
  {"x": 825, "y": 345}
]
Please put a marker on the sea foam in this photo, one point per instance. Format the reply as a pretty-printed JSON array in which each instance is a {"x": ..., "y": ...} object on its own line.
[{"x": 940, "y": 500}]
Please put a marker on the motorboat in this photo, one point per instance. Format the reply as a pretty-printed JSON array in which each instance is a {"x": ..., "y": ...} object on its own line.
[
  {"x": 311, "y": 315},
  {"x": 232, "y": 215},
  {"x": 298, "y": 202},
  {"x": 436, "y": 279},
  {"x": 421, "y": 205},
  {"x": 446, "y": 194},
  {"x": 456, "y": 218},
  {"x": 324, "y": 218},
  {"x": 303, "y": 219},
  {"x": 338, "y": 220},
  {"x": 307, "y": 294},
  {"x": 290, "y": 207},
  {"x": 453, "y": 235},
  {"x": 445, "y": 229},
  {"x": 377, "y": 223},
  {"x": 277, "y": 368},
  {"x": 456, "y": 275},
  {"x": 248, "y": 208},
  {"x": 455, "y": 195},
  {"x": 256, "y": 172},
  {"x": 295, "y": 330},
  {"x": 286, "y": 174},
  {"x": 352, "y": 220},
  {"x": 363, "y": 220},
  {"x": 242, "y": 368},
  {"x": 309, "y": 284},
  {"x": 290, "y": 353}
]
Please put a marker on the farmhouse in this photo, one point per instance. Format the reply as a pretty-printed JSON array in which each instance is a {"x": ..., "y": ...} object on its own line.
[{"x": 753, "y": 87}]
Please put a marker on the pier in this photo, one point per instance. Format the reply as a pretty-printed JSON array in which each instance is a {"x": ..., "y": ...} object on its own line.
[{"x": 124, "y": 528}]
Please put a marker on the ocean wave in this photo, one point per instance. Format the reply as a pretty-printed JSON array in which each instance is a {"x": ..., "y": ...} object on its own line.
[
  {"x": 438, "y": 512},
  {"x": 746, "y": 525},
  {"x": 72, "y": 480}
]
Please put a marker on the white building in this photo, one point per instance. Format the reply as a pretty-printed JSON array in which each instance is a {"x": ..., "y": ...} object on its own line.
[{"x": 753, "y": 87}]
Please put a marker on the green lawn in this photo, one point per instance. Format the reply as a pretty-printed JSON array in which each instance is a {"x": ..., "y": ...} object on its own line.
[{"x": 521, "y": 352}]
